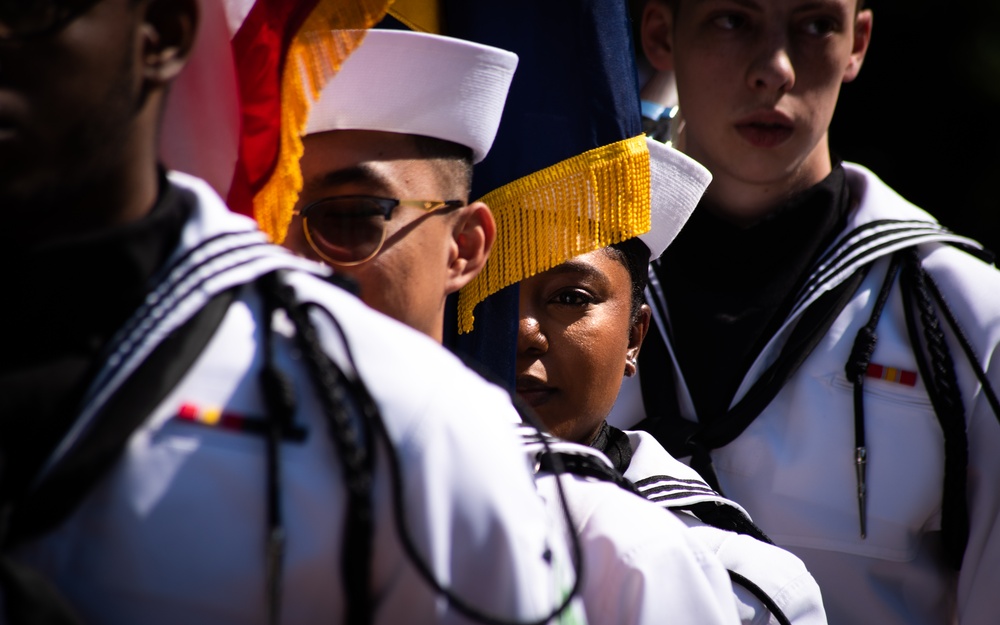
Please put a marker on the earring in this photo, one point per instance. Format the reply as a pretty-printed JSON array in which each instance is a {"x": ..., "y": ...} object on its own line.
[{"x": 630, "y": 367}]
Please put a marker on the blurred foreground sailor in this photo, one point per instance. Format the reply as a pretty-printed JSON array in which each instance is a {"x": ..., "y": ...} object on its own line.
[
  {"x": 195, "y": 425},
  {"x": 640, "y": 564}
]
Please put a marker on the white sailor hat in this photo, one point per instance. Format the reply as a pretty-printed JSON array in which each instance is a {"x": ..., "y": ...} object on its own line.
[
  {"x": 419, "y": 84},
  {"x": 676, "y": 184}
]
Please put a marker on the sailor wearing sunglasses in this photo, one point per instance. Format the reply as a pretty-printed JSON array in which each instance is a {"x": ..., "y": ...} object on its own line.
[{"x": 387, "y": 171}]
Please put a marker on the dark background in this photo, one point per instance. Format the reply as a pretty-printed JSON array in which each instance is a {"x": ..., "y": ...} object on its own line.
[{"x": 924, "y": 114}]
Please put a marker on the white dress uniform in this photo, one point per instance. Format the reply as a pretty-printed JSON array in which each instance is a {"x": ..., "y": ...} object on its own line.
[
  {"x": 175, "y": 531},
  {"x": 641, "y": 564},
  {"x": 777, "y": 572},
  {"x": 794, "y": 467}
]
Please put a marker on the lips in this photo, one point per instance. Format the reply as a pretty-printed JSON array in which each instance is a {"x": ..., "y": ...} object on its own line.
[
  {"x": 534, "y": 391},
  {"x": 765, "y": 129}
]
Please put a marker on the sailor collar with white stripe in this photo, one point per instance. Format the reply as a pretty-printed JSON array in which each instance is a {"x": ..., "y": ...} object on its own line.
[
  {"x": 218, "y": 250},
  {"x": 657, "y": 475},
  {"x": 883, "y": 223},
  {"x": 663, "y": 479}
]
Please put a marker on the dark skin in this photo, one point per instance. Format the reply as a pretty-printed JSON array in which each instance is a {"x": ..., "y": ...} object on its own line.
[
  {"x": 79, "y": 117},
  {"x": 577, "y": 337}
]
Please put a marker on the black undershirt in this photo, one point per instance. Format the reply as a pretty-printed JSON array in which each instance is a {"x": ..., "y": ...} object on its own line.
[
  {"x": 64, "y": 300},
  {"x": 729, "y": 289}
]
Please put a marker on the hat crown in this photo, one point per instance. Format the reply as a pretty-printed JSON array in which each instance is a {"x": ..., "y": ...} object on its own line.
[{"x": 419, "y": 84}]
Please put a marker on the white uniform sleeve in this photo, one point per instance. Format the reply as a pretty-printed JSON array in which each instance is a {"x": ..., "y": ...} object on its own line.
[
  {"x": 777, "y": 572},
  {"x": 979, "y": 579},
  {"x": 970, "y": 288},
  {"x": 641, "y": 565},
  {"x": 470, "y": 502}
]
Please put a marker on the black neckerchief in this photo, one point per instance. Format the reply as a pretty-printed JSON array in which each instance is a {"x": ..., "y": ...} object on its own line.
[
  {"x": 615, "y": 445},
  {"x": 65, "y": 300},
  {"x": 730, "y": 288}
]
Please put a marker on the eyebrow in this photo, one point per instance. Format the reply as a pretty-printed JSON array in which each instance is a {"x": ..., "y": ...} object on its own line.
[
  {"x": 818, "y": 4},
  {"x": 357, "y": 174},
  {"x": 578, "y": 267}
]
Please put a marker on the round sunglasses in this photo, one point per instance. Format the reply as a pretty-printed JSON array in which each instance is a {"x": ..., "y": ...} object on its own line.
[{"x": 348, "y": 230}]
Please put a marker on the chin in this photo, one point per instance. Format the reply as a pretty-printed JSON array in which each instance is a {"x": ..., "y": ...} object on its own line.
[{"x": 552, "y": 424}]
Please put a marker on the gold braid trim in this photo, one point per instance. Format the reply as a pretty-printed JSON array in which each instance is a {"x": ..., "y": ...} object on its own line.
[
  {"x": 314, "y": 57},
  {"x": 576, "y": 206}
]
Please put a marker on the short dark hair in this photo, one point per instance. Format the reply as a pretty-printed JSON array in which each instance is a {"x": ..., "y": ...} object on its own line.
[
  {"x": 634, "y": 255},
  {"x": 458, "y": 168}
]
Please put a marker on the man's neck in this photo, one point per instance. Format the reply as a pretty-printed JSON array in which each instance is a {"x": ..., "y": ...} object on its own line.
[
  {"x": 97, "y": 204},
  {"x": 745, "y": 202},
  {"x": 117, "y": 188}
]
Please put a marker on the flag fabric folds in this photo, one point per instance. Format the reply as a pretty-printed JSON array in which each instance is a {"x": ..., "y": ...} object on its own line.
[
  {"x": 236, "y": 114},
  {"x": 575, "y": 90}
]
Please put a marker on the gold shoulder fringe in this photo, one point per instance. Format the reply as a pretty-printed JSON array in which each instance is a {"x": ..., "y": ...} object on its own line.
[
  {"x": 314, "y": 57},
  {"x": 576, "y": 206}
]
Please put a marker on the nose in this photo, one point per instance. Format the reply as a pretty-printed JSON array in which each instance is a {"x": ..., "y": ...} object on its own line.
[
  {"x": 531, "y": 341},
  {"x": 772, "y": 69}
]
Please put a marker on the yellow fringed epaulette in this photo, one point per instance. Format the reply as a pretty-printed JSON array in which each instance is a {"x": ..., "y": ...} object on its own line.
[
  {"x": 578, "y": 205},
  {"x": 314, "y": 57}
]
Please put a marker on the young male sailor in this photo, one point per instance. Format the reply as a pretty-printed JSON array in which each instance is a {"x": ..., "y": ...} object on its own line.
[
  {"x": 639, "y": 563},
  {"x": 828, "y": 353},
  {"x": 195, "y": 426}
]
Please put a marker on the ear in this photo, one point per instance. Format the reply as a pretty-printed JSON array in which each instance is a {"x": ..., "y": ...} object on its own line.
[
  {"x": 862, "y": 37},
  {"x": 168, "y": 36},
  {"x": 473, "y": 236},
  {"x": 657, "y": 35},
  {"x": 637, "y": 333}
]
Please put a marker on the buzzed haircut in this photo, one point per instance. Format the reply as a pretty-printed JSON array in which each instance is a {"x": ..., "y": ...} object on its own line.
[{"x": 456, "y": 174}]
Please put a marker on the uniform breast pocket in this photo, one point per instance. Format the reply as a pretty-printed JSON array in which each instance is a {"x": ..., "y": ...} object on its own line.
[
  {"x": 803, "y": 489},
  {"x": 198, "y": 451},
  {"x": 888, "y": 384},
  {"x": 191, "y": 425},
  {"x": 905, "y": 464}
]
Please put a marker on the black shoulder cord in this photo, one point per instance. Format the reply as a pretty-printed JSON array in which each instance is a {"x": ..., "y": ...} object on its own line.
[
  {"x": 354, "y": 452},
  {"x": 938, "y": 370},
  {"x": 963, "y": 340},
  {"x": 726, "y": 518},
  {"x": 584, "y": 466},
  {"x": 374, "y": 417},
  {"x": 764, "y": 598},
  {"x": 856, "y": 370},
  {"x": 279, "y": 398}
]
